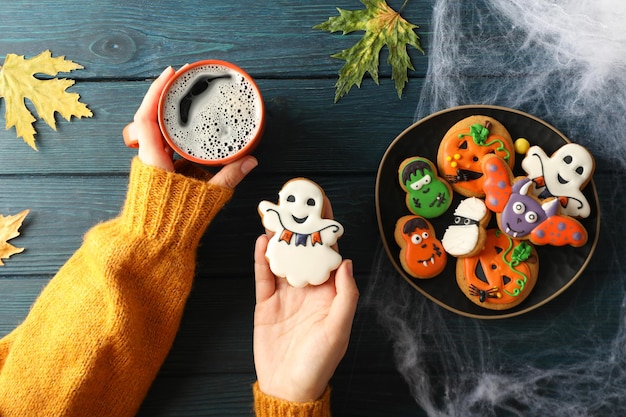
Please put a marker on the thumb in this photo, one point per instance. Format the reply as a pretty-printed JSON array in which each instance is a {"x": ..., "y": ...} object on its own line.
[
  {"x": 232, "y": 174},
  {"x": 344, "y": 305}
]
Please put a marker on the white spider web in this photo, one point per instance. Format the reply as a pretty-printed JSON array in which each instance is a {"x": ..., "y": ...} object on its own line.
[{"x": 563, "y": 61}]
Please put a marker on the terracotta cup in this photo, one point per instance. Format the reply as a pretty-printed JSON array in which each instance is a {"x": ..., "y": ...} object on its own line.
[{"x": 210, "y": 112}]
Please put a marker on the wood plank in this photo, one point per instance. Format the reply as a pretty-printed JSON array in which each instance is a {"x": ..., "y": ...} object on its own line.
[
  {"x": 64, "y": 208},
  {"x": 135, "y": 41},
  {"x": 371, "y": 395},
  {"x": 215, "y": 335},
  {"x": 305, "y": 131}
]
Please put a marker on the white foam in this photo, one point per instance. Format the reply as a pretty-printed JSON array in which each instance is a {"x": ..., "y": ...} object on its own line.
[{"x": 221, "y": 122}]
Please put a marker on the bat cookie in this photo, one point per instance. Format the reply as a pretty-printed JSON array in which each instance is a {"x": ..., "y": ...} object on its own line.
[
  {"x": 301, "y": 248},
  {"x": 521, "y": 215}
]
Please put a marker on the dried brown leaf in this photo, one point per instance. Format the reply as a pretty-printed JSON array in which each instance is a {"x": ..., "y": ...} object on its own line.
[
  {"x": 9, "y": 227},
  {"x": 18, "y": 83}
]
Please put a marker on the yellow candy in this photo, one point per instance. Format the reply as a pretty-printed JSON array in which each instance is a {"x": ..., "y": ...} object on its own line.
[
  {"x": 521, "y": 146},
  {"x": 453, "y": 164}
]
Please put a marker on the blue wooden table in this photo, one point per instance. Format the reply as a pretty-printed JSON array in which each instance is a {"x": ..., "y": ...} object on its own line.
[{"x": 79, "y": 175}]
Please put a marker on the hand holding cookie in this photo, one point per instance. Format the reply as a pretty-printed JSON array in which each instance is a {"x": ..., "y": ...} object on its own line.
[{"x": 300, "y": 334}]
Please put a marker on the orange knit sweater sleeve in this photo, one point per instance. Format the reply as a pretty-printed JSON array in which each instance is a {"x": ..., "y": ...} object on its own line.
[
  {"x": 267, "y": 406},
  {"x": 97, "y": 335}
]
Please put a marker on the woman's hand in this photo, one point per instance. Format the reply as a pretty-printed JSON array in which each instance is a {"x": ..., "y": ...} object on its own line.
[
  {"x": 300, "y": 334},
  {"x": 144, "y": 132}
]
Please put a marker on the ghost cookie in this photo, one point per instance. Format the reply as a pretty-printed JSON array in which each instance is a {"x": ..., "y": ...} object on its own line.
[
  {"x": 502, "y": 275},
  {"x": 466, "y": 236},
  {"x": 463, "y": 147},
  {"x": 521, "y": 215},
  {"x": 427, "y": 194},
  {"x": 421, "y": 254},
  {"x": 562, "y": 175},
  {"x": 301, "y": 248}
]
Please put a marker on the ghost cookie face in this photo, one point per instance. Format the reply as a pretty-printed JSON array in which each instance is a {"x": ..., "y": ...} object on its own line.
[
  {"x": 562, "y": 175},
  {"x": 464, "y": 146},
  {"x": 421, "y": 254},
  {"x": 427, "y": 194},
  {"x": 502, "y": 275},
  {"x": 301, "y": 248}
]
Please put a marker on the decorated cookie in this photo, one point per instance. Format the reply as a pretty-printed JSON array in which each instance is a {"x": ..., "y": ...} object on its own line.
[
  {"x": 421, "y": 254},
  {"x": 463, "y": 147},
  {"x": 521, "y": 215},
  {"x": 427, "y": 194},
  {"x": 466, "y": 236},
  {"x": 301, "y": 248},
  {"x": 502, "y": 275},
  {"x": 562, "y": 175}
]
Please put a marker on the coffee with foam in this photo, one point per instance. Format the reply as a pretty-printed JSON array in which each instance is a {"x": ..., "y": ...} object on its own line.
[{"x": 211, "y": 111}]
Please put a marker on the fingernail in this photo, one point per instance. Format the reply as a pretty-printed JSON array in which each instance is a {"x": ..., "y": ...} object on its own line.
[
  {"x": 248, "y": 165},
  {"x": 165, "y": 71},
  {"x": 349, "y": 266}
]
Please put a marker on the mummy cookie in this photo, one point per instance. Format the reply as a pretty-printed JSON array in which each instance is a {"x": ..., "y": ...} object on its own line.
[
  {"x": 502, "y": 275},
  {"x": 463, "y": 147},
  {"x": 301, "y": 248},
  {"x": 466, "y": 237},
  {"x": 523, "y": 216},
  {"x": 421, "y": 254},
  {"x": 562, "y": 175},
  {"x": 427, "y": 194}
]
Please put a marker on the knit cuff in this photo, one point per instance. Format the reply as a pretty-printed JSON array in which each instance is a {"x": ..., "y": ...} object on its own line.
[
  {"x": 174, "y": 207},
  {"x": 267, "y": 406}
]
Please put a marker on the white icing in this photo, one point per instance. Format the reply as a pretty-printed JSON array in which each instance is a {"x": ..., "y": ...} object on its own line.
[
  {"x": 473, "y": 208},
  {"x": 565, "y": 173},
  {"x": 461, "y": 239},
  {"x": 300, "y": 249}
]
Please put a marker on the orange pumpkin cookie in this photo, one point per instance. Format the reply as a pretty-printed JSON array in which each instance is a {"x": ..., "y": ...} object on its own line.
[
  {"x": 421, "y": 253},
  {"x": 502, "y": 275},
  {"x": 463, "y": 147}
]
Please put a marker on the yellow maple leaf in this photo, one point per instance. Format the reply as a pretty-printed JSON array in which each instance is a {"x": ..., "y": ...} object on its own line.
[
  {"x": 18, "y": 82},
  {"x": 9, "y": 227}
]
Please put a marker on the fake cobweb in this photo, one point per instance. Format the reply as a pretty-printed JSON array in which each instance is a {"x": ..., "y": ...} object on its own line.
[{"x": 563, "y": 61}]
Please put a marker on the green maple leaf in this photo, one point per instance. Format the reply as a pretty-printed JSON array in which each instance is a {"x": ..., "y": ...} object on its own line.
[{"x": 382, "y": 26}]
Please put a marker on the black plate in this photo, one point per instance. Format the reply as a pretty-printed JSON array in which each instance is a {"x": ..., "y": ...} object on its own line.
[{"x": 559, "y": 267}]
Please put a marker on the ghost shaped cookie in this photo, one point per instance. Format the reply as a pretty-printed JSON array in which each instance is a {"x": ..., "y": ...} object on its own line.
[
  {"x": 301, "y": 248},
  {"x": 562, "y": 175}
]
